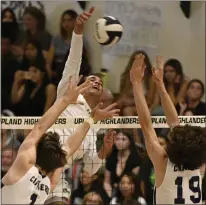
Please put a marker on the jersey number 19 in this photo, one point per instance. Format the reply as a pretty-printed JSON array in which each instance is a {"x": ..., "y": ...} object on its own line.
[{"x": 194, "y": 186}]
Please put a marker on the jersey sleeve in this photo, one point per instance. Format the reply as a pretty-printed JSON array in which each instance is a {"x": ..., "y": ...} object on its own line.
[{"x": 72, "y": 65}]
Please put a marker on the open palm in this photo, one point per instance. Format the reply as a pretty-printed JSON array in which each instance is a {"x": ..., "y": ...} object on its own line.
[
  {"x": 102, "y": 114},
  {"x": 158, "y": 71},
  {"x": 71, "y": 91},
  {"x": 137, "y": 70}
]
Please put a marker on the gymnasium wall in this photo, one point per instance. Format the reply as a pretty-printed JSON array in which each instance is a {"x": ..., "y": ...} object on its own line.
[{"x": 178, "y": 37}]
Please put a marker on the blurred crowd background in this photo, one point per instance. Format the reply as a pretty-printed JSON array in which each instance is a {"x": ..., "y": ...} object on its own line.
[{"x": 32, "y": 61}]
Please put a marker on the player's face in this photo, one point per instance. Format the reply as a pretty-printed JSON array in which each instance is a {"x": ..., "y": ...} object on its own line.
[
  {"x": 126, "y": 186},
  {"x": 121, "y": 141},
  {"x": 85, "y": 178},
  {"x": 30, "y": 51},
  {"x": 195, "y": 91},
  {"x": 68, "y": 23},
  {"x": 97, "y": 85},
  {"x": 169, "y": 74}
]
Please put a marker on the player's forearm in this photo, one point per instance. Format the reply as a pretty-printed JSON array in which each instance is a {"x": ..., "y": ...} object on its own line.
[
  {"x": 168, "y": 106},
  {"x": 75, "y": 140},
  {"x": 143, "y": 111},
  {"x": 73, "y": 63},
  {"x": 49, "y": 118},
  {"x": 103, "y": 152}
]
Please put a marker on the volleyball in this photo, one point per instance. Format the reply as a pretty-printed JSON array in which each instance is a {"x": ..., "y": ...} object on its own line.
[{"x": 108, "y": 30}]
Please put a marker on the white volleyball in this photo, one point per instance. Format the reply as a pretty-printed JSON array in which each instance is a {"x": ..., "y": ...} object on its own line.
[{"x": 108, "y": 31}]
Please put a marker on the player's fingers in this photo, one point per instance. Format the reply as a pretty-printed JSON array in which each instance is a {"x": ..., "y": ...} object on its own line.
[
  {"x": 110, "y": 107},
  {"x": 91, "y": 10},
  {"x": 80, "y": 21},
  {"x": 115, "y": 112},
  {"x": 83, "y": 85},
  {"x": 153, "y": 71},
  {"x": 85, "y": 88},
  {"x": 78, "y": 80},
  {"x": 98, "y": 106},
  {"x": 87, "y": 14},
  {"x": 84, "y": 17}
]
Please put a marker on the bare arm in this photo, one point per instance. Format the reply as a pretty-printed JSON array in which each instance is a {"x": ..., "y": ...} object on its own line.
[
  {"x": 73, "y": 63},
  {"x": 154, "y": 149},
  {"x": 50, "y": 96},
  {"x": 167, "y": 104},
  {"x": 73, "y": 142},
  {"x": 49, "y": 118}
]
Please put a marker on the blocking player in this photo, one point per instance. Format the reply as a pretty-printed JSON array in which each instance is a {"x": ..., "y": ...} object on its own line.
[
  {"x": 177, "y": 168},
  {"x": 41, "y": 157}
]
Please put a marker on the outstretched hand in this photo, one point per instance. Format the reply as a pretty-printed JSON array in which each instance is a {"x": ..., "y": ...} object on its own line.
[
  {"x": 72, "y": 91},
  {"x": 81, "y": 20},
  {"x": 138, "y": 69},
  {"x": 102, "y": 114},
  {"x": 158, "y": 71}
]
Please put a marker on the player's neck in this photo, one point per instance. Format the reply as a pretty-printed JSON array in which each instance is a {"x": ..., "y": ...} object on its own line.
[
  {"x": 92, "y": 101},
  {"x": 41, "y": 171}
]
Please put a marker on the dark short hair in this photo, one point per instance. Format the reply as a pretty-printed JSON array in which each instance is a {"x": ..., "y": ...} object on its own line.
[
  {"x": 196, "y": 81},
  {"x": 50, "y": 154},
  {"x": 186, "y": 147}
]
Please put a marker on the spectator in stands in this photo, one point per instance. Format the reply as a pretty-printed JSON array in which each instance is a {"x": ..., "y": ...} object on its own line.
[
  {"x": 33, "y": 54},
  {"x": 128, "y": 192},
  {"x": 61, "y": 43},
  {"x": 8, "y": 15},
  {"x": 175, "y": 83},
  {"x": 86, "y": 185},
  {"x": 8, "y": 156},
  {"x": 192, "y": 101},
  {"x": 126, "y": 99},
  {"x": 9, "y": 65},
  {"x": 34, "y": 22},
  {"x": 123, "y": 159},
  {"x": 32, "y": 94},
  {"x": 60, "y": 47},
  {"x": 92, "y": 198}
]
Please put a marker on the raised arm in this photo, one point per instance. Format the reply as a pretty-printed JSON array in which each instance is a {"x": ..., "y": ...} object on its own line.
[
  {"x": 154, "y": 149},
  {"x": 74, "y": 142},
  {"x": 73, "y": 63},
  {"x": 167, "y": 104},
  {"x": 48, "y": 119}
]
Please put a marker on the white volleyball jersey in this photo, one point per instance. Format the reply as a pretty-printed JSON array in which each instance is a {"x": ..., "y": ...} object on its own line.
[
  {"x": 32, "y": 188},
  {"x": 179, "y": 187}
]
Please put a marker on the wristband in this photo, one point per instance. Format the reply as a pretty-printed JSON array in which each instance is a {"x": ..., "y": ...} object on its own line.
[{"x": 90, "y": 121}]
